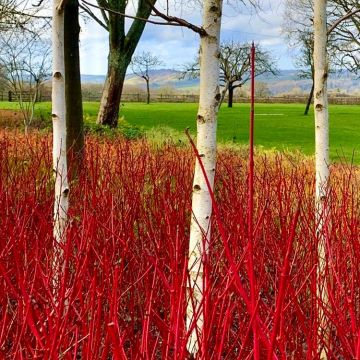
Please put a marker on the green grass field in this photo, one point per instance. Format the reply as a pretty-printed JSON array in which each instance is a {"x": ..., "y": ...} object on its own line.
[{"x": 277, "y": 126}]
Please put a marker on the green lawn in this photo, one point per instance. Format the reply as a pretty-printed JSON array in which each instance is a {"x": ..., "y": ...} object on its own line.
[{"x": 277, "y": 126}]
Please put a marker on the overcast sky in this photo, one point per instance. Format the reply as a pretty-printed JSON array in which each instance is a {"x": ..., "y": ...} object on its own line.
[{"x": 176, "y": 46}]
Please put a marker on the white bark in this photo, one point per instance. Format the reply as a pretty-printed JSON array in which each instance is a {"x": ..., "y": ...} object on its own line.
[
  {"x": 321, "y": 150},
  {"x": 206, "y": 145},
  {"x": 59, "y": 125}
]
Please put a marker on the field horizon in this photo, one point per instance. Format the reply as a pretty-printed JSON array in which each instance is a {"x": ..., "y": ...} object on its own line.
[{"x": 280, "y": 127}]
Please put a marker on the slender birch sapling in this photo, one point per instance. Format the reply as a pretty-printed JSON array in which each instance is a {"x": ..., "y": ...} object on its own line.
[
  {"x": 59, "y": 125},
  {"x": 321, "y": 155},
  {"x": 206, "y": 145}
]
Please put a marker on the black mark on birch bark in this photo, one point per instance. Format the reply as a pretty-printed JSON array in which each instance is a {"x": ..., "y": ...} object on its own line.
[
  {"x": 197, "y": 188},
  {"x": 201, "y": 119}
]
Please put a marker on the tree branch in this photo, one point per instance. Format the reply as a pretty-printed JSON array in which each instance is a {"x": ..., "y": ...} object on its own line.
[
  {"x": 340, "y": 20},
  {"x": 93, "y": 16},
  {"x": 175, "y": 20},
  {"x": 172, "y": 21}
]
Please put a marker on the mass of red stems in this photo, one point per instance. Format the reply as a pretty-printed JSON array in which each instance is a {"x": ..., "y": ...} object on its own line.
[{"x": 122, "y": 292}]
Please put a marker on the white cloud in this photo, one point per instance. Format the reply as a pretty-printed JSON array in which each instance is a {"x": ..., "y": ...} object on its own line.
[
  {"x": 93, "y": 49},
  {"x": 271, "y": 42},
  {"x": 177, "y": 46}
]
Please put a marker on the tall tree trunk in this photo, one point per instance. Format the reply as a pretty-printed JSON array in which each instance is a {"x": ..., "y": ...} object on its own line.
[
  {"x": 231, "y": 96},
  {"x": 147, "y": 91},
  {"x": 74, "y": 109},
  {"x": 311, "y": 94},
  {"x": 321, "y": 158},
  {"x": 206, "y": 145},
  {"x": 111, "y": 96},
  {"x": 59, "y": 135},
  {"x": 122, "y": 48}
]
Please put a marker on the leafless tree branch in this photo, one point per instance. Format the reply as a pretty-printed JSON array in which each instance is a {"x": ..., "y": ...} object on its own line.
[{"x": 170, "y": 21}]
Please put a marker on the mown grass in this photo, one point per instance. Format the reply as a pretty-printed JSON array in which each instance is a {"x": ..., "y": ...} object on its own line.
[{"x": 277, "y": 126}]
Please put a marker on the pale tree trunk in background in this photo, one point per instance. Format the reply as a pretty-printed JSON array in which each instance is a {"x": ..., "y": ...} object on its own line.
[
  {"x": 59, "y": 132},
  {"x": 206, "y": 145},
  {"x": 321, "y": 155}
]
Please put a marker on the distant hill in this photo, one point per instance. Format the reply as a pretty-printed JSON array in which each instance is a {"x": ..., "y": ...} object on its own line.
[
  {"x": 286, "y": 81},
  {"x": 159, "y": 78},
  {"x": 92, "y": 79}
]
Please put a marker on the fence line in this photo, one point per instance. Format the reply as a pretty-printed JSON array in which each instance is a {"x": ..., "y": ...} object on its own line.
[{"x": 187, "y": 98}]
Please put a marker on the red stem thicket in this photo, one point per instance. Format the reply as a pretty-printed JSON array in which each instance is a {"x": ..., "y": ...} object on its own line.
[{"x": 122, "y": 294}]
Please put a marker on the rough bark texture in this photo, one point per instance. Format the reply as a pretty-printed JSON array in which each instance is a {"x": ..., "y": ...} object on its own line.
[
  {"x": 59, "y": 126},
  {"x": 111, "y": 96},
  {"x": 121, "y": 49},
  {"x": 74, "y": 109},
  {"x": 206, "y": 145},
  {"x": 321, "y": 154}
]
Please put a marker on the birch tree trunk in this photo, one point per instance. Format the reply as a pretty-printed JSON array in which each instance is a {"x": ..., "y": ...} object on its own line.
[
  {"x": 321, "y": 156},
  {"x": 206, "y": 145},
  {"x": 59, "y": 128}
]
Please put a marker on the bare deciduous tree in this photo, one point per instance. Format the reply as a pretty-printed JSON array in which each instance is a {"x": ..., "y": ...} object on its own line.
[
  {"x": 25, "y": 60},
  {"x": 142, "y": 64},
  {"x": 343, "y": 33},
  {"x": 235, "y": 67},
  {"x": 122, "y": 44}
]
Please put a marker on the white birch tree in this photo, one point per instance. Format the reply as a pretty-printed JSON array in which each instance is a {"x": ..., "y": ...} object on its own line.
[
  {"x": 206, "y": 145},
  {"x": 321, "y": 153},
  {"x": 59, "y": 130}
]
